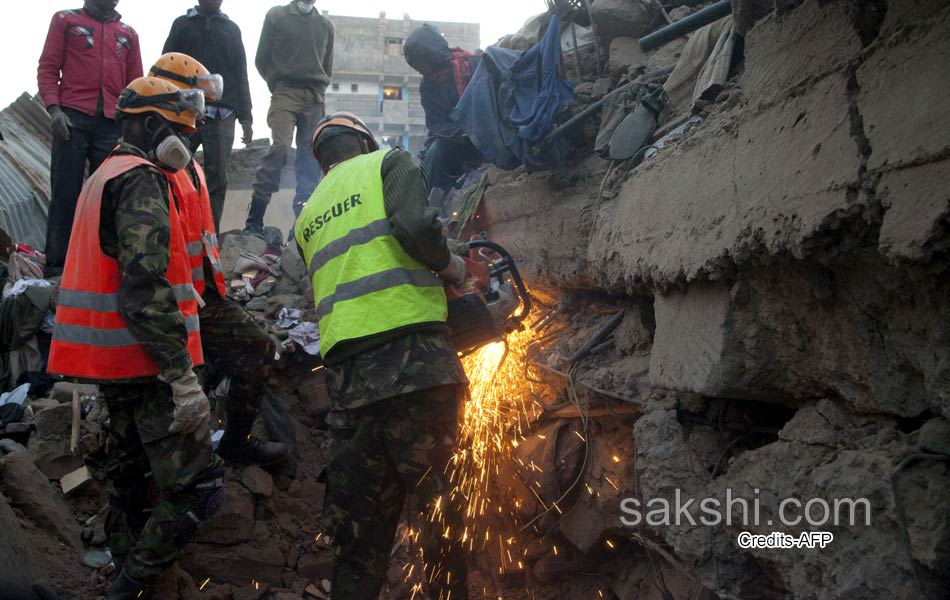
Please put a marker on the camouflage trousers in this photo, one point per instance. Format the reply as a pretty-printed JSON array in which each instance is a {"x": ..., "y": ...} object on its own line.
[
  {"x": 378, "y": 455},
  {"x": 164, "y": 483},
  {"x": 237, "y": 346}
]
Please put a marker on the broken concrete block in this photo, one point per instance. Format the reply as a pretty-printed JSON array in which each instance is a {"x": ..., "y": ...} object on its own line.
[
  {"x": 315, "y": 566},
  {"x": 257, "y": 480},
  {"x": 53, "y": 457},
  {"x": 277, "y": 302},
  {"x": 616, "y": 18},
  {"x": 258, "y": 304},
  {"x": 234, "y": 521},
  {"x": 8, "y": 446},
  {"x": 806, "y": 44},
  {"x": 30, "y": 492},
  {"x": 55, "y": 422},
  {"x": 260, "y": 558},
  {"x": 749, "y": 12},
  {"x": 293, "y": 265},
  {"x": 625, "y": 54},
  {"x": 63, "y": 390},
  {"x": 889, "y": 92},
  {"x": 233, "y": 244},
  {"x": 917, "y": 204},
  {"x": 41, "y": 404},
  {"x": 691, "y": 351},
  {"x": 934, "y": 436}
]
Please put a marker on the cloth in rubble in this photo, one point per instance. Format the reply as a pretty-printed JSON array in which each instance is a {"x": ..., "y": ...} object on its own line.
[
  {"x": 307, "y": 336},
  {"x": 21, "y": 317},
  {"x": 511, "y": 102},
  {"x": 621, "y": 102},
  {"x": 704, "y": 66}
]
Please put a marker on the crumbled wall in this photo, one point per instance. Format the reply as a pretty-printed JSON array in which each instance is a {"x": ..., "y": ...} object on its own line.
[{"x": 793, "y": 248}]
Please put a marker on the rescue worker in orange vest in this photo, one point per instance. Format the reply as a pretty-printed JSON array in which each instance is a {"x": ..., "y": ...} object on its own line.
[
  {"x": 127, "y": 319},
  {"x": 234, "y": 344}
]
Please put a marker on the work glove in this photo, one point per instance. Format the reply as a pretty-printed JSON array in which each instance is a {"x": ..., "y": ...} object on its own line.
[
  {"x": 192, "y": 411},
  {"x": 456, "y": 271},
  {"x": 247, "y": 132},
  {"x": 60, "y": 123}
]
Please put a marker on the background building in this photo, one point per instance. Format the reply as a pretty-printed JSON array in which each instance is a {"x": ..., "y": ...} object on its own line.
[{"x": 371, "y": 77}]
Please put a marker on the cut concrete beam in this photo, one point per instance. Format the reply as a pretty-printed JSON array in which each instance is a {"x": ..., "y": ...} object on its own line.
[
  {"x": 917, "y": 200},
  {"x": 903, "y": 96}
]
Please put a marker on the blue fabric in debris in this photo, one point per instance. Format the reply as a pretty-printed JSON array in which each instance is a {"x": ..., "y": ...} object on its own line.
[{"x": 510, "y": 103}]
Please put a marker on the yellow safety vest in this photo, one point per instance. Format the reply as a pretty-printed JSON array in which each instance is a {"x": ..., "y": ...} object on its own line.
[{"x": 364, "y": 283}]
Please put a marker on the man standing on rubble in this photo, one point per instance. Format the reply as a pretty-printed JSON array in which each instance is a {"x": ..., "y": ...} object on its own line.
[
  {"x": 445, "y": 74},
  {"x": 89, "y": 56},
  {"x": 295, "y": 57},
  {"x": 234, "y": 344},
  {"x": 127, "y": 319},
  {"x": 394, "y": 378},
  {"x": 208, "y": 35}
]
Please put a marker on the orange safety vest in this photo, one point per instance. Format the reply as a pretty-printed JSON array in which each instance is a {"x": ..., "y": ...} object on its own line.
[
  {"x": 91, "y": 339},
  {"x": 198, "y": 222}
]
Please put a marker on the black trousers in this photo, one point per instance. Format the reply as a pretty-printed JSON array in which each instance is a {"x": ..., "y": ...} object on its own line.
[
  {"x": 91, "y": 139},
  {"x": 216, "y": 136}
]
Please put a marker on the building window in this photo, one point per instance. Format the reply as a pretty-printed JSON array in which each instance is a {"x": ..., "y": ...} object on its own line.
[
  {"x": 336, "y": 87},
  {"x": 392, "y": 92},
  {"x": 355, "y": 88},
  {"x": 393, "y": 46}
]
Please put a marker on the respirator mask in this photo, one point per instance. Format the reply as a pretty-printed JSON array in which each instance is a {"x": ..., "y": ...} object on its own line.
[
  {"x": 172, "y": 152},
  {"x": 304, "y": 6}
]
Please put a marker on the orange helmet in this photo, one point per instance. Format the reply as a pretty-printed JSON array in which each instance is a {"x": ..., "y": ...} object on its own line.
[
  {"x": 346, "y": 120},
  {"x": 153, "y": 95},
  {"x": 185, "y": 72}
]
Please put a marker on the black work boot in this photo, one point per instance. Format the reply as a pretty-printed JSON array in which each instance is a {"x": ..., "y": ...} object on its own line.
[
  {"x": 255, "y": 217},
  {"x": 238, "y": 445},
  {"x": 125, "y": 588}
]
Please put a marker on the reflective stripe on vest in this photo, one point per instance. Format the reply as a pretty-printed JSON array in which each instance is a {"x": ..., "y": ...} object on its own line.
[
  {"x": 90, "y": 338},
  {"x": 198, "y": 225},
  {"x": 364, "y": 282}
]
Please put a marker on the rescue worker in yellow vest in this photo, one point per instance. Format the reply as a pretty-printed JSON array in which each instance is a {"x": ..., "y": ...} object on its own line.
[
  {"x": 234, "y": 344},
  {"x": 127, "y": 319},
  {"x": 378, "y": 263}
]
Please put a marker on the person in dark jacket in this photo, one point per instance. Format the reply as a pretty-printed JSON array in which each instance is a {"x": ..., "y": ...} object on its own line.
[
  {"x": 445, "y": 73},
  {"x": 90, "y": 55},
  {"x": 213, "y": 39}
]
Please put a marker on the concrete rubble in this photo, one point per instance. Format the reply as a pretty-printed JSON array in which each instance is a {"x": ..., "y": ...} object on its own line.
[{"x": 781, "y": 267}]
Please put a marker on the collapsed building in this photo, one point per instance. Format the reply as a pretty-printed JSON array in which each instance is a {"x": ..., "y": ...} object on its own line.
[{"x": 752, "y": 304}]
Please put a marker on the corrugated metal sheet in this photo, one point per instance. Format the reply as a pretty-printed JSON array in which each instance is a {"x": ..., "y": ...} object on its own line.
[{"x": 24, "y": 170}]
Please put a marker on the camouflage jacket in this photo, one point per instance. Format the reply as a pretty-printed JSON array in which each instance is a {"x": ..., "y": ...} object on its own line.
[
  {"x": 409, "y": 363},
  {"x": 134, "y": 229}
]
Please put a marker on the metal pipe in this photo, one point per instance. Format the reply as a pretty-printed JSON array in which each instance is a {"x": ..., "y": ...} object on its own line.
[
  {"x": 573, "y": 122},
  {"x": 685, "y": 26},
  {"x": 598, "y": 338}
]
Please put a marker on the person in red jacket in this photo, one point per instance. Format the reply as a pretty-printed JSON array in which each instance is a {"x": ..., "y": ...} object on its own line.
[{"x": 89, "y": 57}]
